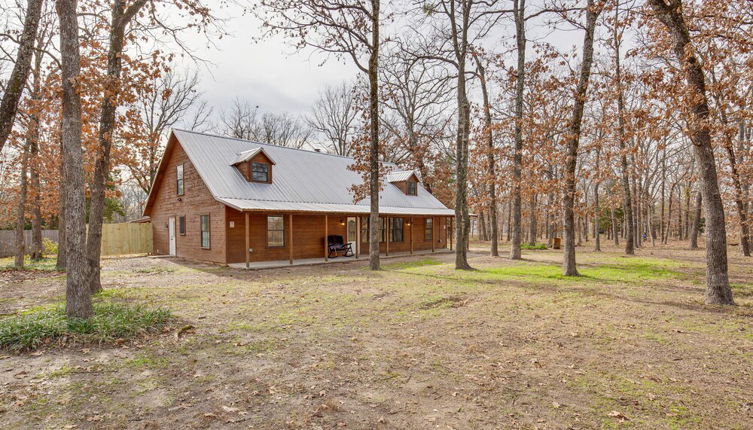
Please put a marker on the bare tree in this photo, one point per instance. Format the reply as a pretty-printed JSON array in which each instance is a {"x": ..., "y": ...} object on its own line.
[
  {"x": 456, "y": 26},
  {"x": 240, "y": 121},
  {"x": 284, "y": 130},
  {"x": 617, "y": 36},
  {"x": 695, "y": 228},
  {"x": 717, "y": 279},
  {"x": 572, "y": 139},
  {"x": 346, "y": 28},
  {"x": 243, "y": 121},
  {"x": 15, "y": 86},
  {"x": 78, "y": 293},
  {"x": 21, "y": 208},
  {"x": 417, "y": 99},
  {"x": 490, "y": 159},
  {"x": 172, "y": 98},
  {"x": 334, "y": 115}
]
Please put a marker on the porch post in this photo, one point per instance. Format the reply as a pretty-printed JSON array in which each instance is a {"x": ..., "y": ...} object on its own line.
[
  {"x": 358, "y": 236},
  {"x": 290, "y": 236},
  {"x": 411, "y": 235},
  {"x": 387, "y": 233},
  {"x": 326, "y": 233},
  {"x": 248, "y": 242},
  {"x": 433, "y": 229},
  {"x": 452, "y": 233}
]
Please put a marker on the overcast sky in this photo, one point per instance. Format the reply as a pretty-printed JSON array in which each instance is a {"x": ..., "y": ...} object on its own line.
[{"x": 270, "y": 74}]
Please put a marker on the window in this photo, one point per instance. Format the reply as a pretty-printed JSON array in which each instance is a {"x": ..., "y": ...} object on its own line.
[
  {"x": 365, "y": 229},
  {"x": 259, "y": 172},
  {"x": 428, "y": 230},
  {"x": 397, "y": 229},
  {"x": 180, "y": 188},
  {"x": 275, "y": 231},
  {"x": 182, "y": 225},
  {"x": 204, "y": 226},
  {"x": 412, "y": 189},
  {"x": 351, "y": 234}
]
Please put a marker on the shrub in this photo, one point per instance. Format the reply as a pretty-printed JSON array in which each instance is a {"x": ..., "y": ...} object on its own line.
[
  {"x": 49, "y": 324},
  {"x": 50, "y": 247}
]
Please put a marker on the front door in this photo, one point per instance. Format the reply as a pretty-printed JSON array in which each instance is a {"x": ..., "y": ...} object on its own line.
[
  {"x": 171, "y": 234},
  {"x": 352, "y": 233}
]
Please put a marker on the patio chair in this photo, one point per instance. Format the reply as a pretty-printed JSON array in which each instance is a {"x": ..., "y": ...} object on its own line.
[{"x": 336, "y": 244}]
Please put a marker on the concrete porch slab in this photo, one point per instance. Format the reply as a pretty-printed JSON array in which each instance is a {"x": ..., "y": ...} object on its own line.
[{"x": 259, "y": 265}]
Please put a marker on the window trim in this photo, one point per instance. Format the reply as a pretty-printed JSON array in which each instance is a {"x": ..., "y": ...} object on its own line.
[
  {"x": 393, "y": 229},
  {"x": 180, "y": 180},
  {"x": 268, "y": 172},
  {"x": 284, "y": 242},
  {"x": 182, "y": 225},
  {"x": 208, "y": 232},
  {"x": 408, "y": 188},
  {"x": 430, "y": 231}
]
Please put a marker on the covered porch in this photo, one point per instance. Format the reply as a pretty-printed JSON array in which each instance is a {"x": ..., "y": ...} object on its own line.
[
  {"x": 262, "y": 239},
  {"x": 276, "y": 264}
]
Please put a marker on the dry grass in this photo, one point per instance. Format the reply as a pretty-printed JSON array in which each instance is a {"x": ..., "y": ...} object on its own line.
[{"x": 418, "y": 345}]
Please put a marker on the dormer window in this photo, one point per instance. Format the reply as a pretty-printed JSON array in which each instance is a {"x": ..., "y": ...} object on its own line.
[
  {"x": 406, "y": 180},
  {"x": 255, "y": 165},
  {"x": 412, "y": 188},
  {"x": 259, "y": 172}
]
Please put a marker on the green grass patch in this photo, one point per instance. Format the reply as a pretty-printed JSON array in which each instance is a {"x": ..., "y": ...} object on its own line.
[
  {"x": 536, "y": 246},
  {"x": 48, "y": 324},
  {"x": 411, "y": 264},
  {"x": 147, "y": 362},
  {"x": 629, "y": 271},
  {"x": 44, "y": 265}
]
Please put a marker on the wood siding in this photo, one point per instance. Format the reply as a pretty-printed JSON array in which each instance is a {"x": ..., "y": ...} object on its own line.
[
  {"x": 308, "y": 236},
  {"x": 196, "y": 201},
  {"x": 418, "y": 224}
]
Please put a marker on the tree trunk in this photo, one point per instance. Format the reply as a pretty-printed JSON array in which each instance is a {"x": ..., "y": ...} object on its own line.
[
  {"x": 717, "y": 279},
  {"x": 61, "y": 260},
  {"x": 615, "y": 232},
  {"x": 15, "y": 86},
  {"x": 37, "y": 247},
  {"x": 737, "y": 182},
  {"x": 482, "y": 226},
  {"x": 490, "y": 160},
  {"x": 517, "y": 161},
  {"x": 573, "y": 139},
  {"x": 597, "y": 217},
  {"x": 120, "y": 19},
  {"x": 625, "y": 176},
  {"x": 21, "y": 211},
  {"x": 460, "y": 45},
  {"x": 78, "y": 294},
  {"x": 696, "y": 227},
  {"x": 374, "y": 263},
  {"x": 532, "y": 223}
]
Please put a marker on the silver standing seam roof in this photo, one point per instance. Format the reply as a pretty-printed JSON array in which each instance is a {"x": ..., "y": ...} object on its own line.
[{"x": 304, "y": 181}]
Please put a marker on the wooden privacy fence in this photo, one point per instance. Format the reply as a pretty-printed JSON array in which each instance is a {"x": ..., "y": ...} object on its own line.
[
  {"x": 8, "y": 240},
  {"x": 117, "y": 239},
  {"x": 127, "y": 238}
]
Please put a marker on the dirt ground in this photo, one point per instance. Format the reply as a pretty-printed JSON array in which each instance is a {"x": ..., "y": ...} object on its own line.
[{"x": 416, "y": 346}]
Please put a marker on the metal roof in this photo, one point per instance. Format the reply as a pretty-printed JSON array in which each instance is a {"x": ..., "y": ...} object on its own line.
[
  {"x": 306, "y": 181},
  {"x": 399, "y": 175},
  {"x": 247, "y": 155}
]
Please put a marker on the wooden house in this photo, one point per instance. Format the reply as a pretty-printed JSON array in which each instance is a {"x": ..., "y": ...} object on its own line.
[{"x": 227, "y": 200}]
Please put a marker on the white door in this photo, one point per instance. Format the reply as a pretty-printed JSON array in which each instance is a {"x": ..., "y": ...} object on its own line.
[
  {"x": 171, "y": 234},
  {"x": 352, "y": 233}
]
